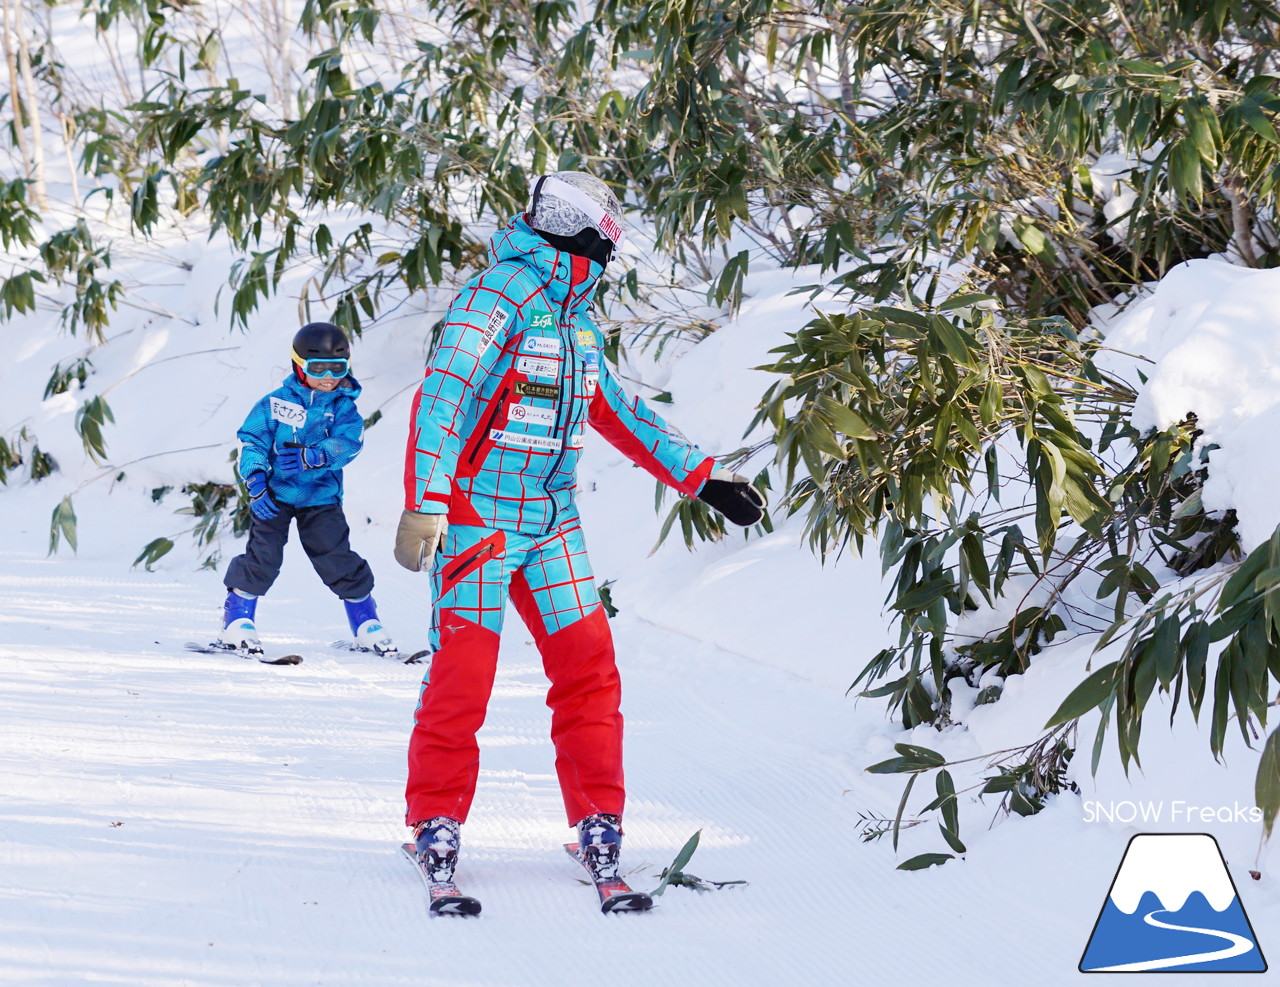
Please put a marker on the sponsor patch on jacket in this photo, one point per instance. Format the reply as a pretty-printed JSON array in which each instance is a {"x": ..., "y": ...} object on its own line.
[
  {"x": 589, "y": 382},
  {"x": 521, "y": 439},
  {"x": 498, "y": 320},
  {"x": 288, "y": 412},
  {"x": 586, "y": 338},
  {"x": 531, "y": 414},
  {"x": 542, "y": 320},
  {"x": 546, "y": 345},
  {"x": 537, "y": 366},
  {"x": 574, "y": 441},
  {"x": 530, "y": 389}
]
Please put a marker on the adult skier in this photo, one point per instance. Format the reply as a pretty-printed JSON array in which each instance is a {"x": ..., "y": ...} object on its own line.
[
  {"x": 490, "y": 478},
  {"x": 294, "y": 444}
]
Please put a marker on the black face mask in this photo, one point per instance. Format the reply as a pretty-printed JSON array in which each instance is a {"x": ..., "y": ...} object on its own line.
[{"x": 587, "y": 242}]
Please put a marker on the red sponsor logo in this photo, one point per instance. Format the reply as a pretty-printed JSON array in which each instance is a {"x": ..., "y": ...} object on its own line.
[{"x": 610, "y": 228}]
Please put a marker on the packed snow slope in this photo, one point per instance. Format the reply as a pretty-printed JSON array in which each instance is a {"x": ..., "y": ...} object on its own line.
[{"x": 172, "y": 818}]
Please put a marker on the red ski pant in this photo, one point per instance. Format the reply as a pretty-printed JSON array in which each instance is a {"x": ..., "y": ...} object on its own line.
[{"x": 549, "y": 581}]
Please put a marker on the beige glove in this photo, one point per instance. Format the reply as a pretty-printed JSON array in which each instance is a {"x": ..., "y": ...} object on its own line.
[{"x": 417, "y": 538}]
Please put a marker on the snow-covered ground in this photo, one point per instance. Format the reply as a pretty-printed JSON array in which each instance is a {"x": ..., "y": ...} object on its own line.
[{"x": 171, "y": 818}]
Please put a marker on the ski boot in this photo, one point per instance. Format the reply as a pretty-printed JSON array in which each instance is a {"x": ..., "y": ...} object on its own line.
[
  {"x": 597, "y": 849},
  {"x": 436, "y": 844},
  {"x": 239, "y": 632},
  {"x": 367, "y": 631},
  {"x": 437, "y": 841},
  {"x": 600, "y": 843}
]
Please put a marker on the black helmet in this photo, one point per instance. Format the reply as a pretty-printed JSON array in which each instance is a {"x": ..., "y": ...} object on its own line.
[{"x": 320, "y": 341}]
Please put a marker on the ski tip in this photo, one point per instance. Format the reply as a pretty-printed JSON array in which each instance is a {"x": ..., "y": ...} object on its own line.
[{"x": 417, "y": 656}]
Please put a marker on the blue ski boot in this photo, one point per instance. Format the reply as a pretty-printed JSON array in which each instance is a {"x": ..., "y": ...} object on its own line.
[
  {"x": 239, "y": 632},
  {"x": 367, "y": 631}
]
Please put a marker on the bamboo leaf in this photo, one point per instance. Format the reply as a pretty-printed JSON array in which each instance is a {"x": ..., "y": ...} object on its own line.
[{"x": 923, "y": 860}]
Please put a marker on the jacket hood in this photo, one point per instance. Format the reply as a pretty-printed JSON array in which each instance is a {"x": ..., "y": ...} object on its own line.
[
  {"x": 348, "y": 386},
  {"x": 518, "y": 241}
]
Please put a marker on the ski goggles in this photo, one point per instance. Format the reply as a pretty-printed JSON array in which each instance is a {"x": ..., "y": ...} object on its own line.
[
  {"x": 325, "y": 367},
  {"x": 606, "y": 224}
]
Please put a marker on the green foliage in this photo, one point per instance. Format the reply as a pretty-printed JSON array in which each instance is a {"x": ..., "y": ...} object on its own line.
[
  {"x": 13, "y": 454},
  {"x": 63, "y": 525},
  {"x": 17, "y": 219},
  {"x": 1267, "y": 787},
  {"x": 1167, "y": 645},
  {"x": 213, "y": 505},
  {"x": 10, "y": 457},
  {"x": 676, "y": 876},
  {"x": 62, "y": 377},
  {"x": 90, "y": 419},
  {"x": 1024, "y": 778},
  {"x": 42, "y": 464},
  {"x": 155, "y": 550},
  {"x": 72, "y": 257},
  {"x": 605, "y": 591}
]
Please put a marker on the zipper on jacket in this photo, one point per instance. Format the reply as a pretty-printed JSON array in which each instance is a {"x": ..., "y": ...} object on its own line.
[
  {"x": 502, "y": 397},
  {"x": 567, "y": 409}
]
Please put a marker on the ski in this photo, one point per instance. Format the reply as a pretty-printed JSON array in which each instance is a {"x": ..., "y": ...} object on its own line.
[
  {"x": 615, "y": 895},
  {"x": 218, "y": 649},
  {"x": 412, "y": 659},
  {"x": 446, "y": 899}
]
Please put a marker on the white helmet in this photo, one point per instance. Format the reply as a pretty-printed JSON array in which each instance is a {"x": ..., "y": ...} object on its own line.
[{"x": 568, "y": 202}]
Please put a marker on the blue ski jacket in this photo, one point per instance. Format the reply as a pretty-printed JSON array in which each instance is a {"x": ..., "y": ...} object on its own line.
[
  {"x": 497, "y": 424},
  {"x": 295, "y": 414}
]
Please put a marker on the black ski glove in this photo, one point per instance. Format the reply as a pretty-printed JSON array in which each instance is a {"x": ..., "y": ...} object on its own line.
[{"x": 734, "y": 497}]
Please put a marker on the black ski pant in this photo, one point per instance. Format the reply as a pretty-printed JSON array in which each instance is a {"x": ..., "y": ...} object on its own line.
[{"x": 326, "y": 539}]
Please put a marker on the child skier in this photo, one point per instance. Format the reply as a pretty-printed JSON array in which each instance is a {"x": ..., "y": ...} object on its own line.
[
  {"x": 490, "y": 480},
  {"x": 295, "y": 442}
]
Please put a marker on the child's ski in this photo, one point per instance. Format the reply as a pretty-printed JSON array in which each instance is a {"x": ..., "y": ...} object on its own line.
[
  {"x": 219, "y": 649},
  {"x": 446, "y": 899},
  {"x": 615, "y": 895},
  {"x": 395, "y": 653}
]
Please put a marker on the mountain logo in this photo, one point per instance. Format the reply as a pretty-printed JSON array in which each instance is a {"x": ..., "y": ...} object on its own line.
[{"x": 1172, "y": 908}]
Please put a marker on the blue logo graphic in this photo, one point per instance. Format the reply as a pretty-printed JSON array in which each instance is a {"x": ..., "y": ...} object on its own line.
[{"x": 1173, "y": 908}]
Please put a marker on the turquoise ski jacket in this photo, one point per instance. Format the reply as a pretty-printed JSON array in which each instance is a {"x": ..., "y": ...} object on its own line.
[{"x": 497, "y": 425}]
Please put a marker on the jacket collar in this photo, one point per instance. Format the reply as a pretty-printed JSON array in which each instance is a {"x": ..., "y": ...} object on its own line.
[{"x": 568, "y": 280}]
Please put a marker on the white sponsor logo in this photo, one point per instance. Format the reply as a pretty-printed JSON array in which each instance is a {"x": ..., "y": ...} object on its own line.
[
  {"x": 527, "y": 441},
  {"x": 589, "y": 382},
  {"x": 528, "y": 413},
  {"x": 497, "y": 322},
  {"x": 542, "y": 344},
  {"x": 575, "y": 441},
  {"x": 537, "y": 366},
  {"x": 288, "y": 412}
]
